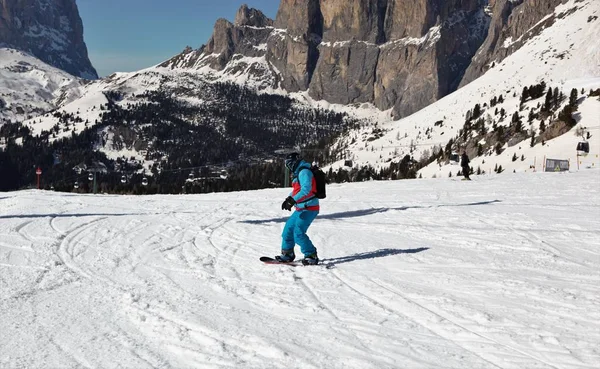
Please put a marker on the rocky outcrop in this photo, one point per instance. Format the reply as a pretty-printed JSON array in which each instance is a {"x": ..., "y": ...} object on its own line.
[
  {"x": 50, "y": 30},
  {"x": 251, "y": 17},
  {"x": 513, "y": 23},
  {"x": 397, "y": 54},
  {"x": 247, "y": 37},
  {"x": 293, "y": 47}
]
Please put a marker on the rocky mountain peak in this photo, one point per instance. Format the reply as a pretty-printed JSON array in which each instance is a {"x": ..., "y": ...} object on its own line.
[
  {"x": 251, "y": 17},
  {"x": 50, "y": 30}
]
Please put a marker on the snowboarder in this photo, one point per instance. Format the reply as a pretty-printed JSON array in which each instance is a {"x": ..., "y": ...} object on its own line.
[
  {"x": 464, "y": 163},
  {"x": 307, "y": 208}
]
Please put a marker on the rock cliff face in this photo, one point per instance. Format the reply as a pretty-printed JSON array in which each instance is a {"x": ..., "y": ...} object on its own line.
[
  {"x": 50, "y": 30},
  {"x": 513, "y": 23},
  {"x": 397, "y": 54}
]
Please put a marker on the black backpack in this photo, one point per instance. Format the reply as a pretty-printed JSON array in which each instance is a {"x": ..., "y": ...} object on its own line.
[{"x": 321, "y": 181}]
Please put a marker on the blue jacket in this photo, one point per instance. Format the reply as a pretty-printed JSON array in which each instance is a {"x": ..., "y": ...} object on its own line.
[{"x": 304, "y": 187}]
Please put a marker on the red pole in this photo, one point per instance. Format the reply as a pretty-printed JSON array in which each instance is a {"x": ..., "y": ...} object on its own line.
[{"x": 38, "y": 171}]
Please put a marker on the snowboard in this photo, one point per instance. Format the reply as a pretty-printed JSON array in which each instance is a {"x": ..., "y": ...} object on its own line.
[{"x": 270, "y": 260}]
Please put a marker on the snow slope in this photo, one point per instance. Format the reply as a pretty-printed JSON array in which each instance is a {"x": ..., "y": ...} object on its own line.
[
  {"x": 503, "y": 272},
  {"x": 565, "y": 55},
  {"x": 30, "y": 87}
]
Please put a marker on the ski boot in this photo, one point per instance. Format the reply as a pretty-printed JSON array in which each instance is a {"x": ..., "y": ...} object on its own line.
[
  {"x": 311, "y": 259},
  {"x": 287, "y": 256}
]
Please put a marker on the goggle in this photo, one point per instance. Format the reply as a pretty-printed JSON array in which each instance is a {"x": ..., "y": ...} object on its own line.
[{"x": 289, "y": 163}]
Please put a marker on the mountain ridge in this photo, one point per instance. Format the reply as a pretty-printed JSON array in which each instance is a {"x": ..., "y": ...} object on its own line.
[{"x": 387, "y": 52}]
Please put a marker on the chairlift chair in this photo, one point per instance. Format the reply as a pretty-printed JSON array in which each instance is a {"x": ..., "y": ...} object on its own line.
[
  {"x": 223, "y": 174},
  {"x": 76, "y": 185},
  {"x": 123, "y": 179},
  {"x": 583, "y": 148},
  {"x": 145, "y": 181},
  {"x": 91, "y": 176}
]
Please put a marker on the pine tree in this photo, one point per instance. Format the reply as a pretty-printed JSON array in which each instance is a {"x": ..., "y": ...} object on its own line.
[
  {"x": 514, "y": 158},
  {"x": 566, "y": 115},
  {"x": 498, "y": 148},
  {"x": 515, "y": 118},
  {"x": 531, "y": 116},
  {"x": 476, "y": 112},
  {"x": 573, "y": 98},
  {"x": 524, "y": 95},
  {"x": 548, "y": 101},
  {"x": 516, "y": 121}
]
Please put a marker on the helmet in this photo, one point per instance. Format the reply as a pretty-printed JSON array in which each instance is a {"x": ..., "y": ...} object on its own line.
[{"x": 292, "y": 160}]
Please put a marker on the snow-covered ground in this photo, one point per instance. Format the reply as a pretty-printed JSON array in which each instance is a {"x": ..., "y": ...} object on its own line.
[{"x": 500, "y": 272}]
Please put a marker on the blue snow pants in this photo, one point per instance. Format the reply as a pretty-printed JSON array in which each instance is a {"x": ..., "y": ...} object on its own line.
[{"x": 295, "y": 229}]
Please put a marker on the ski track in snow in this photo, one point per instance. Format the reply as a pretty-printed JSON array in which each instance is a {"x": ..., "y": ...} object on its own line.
[{"x": 500, "y": 272}]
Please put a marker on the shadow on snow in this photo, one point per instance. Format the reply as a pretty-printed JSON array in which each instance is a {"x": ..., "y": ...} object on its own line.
[
  {"x": 367, "y": 212},
  {"x": 372, "y": 255}
]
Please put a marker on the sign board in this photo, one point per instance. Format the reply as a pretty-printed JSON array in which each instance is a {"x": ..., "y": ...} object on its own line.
[{"x": 557, "y": 165}]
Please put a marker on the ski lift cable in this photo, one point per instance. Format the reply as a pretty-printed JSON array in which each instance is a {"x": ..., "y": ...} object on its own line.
[
  {"x": 415, "y": 144},
  {"x": 200, "y": 166}
]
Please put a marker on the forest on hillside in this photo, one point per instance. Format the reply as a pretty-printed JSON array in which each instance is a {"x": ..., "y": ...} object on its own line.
[{"x": 227, "y": 145}]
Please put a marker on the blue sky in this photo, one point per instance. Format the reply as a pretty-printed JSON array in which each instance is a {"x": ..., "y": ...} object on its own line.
[{"x": 128, "y": 35}]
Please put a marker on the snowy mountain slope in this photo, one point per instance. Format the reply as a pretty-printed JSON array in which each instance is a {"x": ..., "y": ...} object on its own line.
[
  {"x": 426, "y": 274},
  {"x": 30, "y": 87},
  {"x": 192, "y": 88},
  {"x": 566, "y": 55}
]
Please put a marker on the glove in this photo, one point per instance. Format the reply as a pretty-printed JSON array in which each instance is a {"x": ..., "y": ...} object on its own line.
[{"x": 288, "y": 203}]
